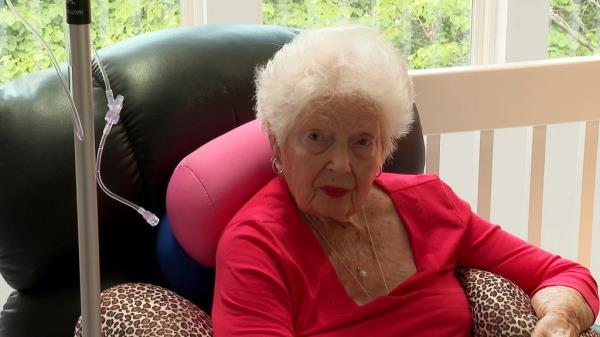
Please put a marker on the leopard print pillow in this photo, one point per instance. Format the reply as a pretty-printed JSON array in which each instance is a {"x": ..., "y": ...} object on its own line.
[
  {"x": 139, "y": 309},
  {"x": 500, "y": 308}
]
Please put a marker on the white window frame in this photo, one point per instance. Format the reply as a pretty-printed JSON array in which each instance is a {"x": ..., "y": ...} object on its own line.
[
  {"x": 201, "y": 12},
  {"x": 193, "y": 12}
]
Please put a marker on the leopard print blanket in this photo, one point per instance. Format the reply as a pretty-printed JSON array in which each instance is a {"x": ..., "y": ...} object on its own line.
[{"x": 500, "y": 309}]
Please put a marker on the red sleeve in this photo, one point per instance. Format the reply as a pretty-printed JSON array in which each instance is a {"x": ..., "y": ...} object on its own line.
[
  {"x": 251, "y": 296},
  {"x": 488, "y": 247}
]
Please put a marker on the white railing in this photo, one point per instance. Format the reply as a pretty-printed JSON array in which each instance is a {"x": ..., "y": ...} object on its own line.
[{"x": 531, "y": 94}]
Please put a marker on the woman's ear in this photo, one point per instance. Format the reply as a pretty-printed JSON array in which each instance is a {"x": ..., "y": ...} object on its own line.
[{"x": 274, "y": 146}]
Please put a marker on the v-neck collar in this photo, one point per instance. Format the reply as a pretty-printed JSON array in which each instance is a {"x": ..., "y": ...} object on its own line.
[{"x": 323, "y": 259}]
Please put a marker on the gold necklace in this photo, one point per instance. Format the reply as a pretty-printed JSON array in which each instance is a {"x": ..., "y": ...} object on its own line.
[
  {"x": 360, "y": 271},
  {"x": 387, "y": 289}
]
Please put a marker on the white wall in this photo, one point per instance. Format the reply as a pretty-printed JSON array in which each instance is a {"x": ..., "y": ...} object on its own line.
[
  {"x": 510, "y": 180},
  {"x": 459, "y": 164}
]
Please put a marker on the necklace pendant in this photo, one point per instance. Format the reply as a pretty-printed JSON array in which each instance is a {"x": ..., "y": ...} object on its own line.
[{"x": 361, "y": 272}]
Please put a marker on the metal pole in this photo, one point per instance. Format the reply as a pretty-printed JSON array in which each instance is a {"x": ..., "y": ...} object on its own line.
[{"x": 78, "y": 18}]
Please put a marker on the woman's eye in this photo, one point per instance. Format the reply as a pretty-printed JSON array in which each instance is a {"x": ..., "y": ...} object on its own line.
[
  {"x": 315, "y": 136},
  {"x": 365, "y": 142},
  {"x": 364, "y": 146},
  {"x": 316, "y": 141}
]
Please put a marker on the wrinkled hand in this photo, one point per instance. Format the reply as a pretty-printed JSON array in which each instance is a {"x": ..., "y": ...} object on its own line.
[
  {"x": 562, "y": 311},
  {"x": 555, "y": 326}
]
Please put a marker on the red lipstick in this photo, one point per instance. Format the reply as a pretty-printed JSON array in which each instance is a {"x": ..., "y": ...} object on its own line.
[{"x": 334, "y": 192}]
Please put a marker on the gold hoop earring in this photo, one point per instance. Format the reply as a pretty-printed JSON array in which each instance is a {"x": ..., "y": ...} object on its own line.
[{"x": 277, "y": 169}]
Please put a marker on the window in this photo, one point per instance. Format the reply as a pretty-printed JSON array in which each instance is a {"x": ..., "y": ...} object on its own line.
[
  {"x": 21, "y": 53},
  {"x": 431, "y": 33}
]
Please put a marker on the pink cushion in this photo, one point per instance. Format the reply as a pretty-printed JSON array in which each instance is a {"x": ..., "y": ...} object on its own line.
[{"x": 212, "y": 183}]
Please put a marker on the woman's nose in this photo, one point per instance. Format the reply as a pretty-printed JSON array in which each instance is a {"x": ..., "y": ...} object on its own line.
[{"x": 340, "y": 161}]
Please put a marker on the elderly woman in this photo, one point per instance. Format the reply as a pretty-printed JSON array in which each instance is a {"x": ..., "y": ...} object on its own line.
[{"x": 334, "y": 247}]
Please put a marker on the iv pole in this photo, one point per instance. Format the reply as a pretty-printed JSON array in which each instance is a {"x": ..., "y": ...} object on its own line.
[{"x": 79, "y": 19}]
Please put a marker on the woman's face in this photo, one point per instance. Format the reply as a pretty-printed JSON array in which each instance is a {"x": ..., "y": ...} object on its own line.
[{"x": 331, "y": 156}]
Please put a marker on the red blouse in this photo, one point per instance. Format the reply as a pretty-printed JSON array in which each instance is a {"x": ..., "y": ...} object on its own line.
[{"x": 274, "y": 279}]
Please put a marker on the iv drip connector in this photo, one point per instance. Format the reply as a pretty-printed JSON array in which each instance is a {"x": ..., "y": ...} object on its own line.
[
  {"x": 150, "y": 218},
  {"x": 115, "y": 105}
]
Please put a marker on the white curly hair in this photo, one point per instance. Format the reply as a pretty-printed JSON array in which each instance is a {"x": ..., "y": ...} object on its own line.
[{"x": 330, "y": 63}]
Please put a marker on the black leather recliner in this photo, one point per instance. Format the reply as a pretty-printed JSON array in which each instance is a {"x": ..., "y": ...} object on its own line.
[{"x": 182, "y": 88}]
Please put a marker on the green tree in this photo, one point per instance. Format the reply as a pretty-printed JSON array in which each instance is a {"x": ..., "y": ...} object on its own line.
[
  {"x": 431, "y": 33},
  {"x": 113, "y": 20},
  {"x": 436, "y": 33},
  {"x": 575, "y": 28}
]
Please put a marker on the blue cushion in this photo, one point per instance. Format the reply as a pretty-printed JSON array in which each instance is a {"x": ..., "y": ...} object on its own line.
[{"x": 186, "y": 277}]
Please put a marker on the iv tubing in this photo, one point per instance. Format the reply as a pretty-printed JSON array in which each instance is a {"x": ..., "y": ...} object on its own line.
[
  {"x": 112, "y": 117},
  {"x": 103, "y": 71},
  {"x": 105, "y": 133},
  {"x": 74, "y": 112}
]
